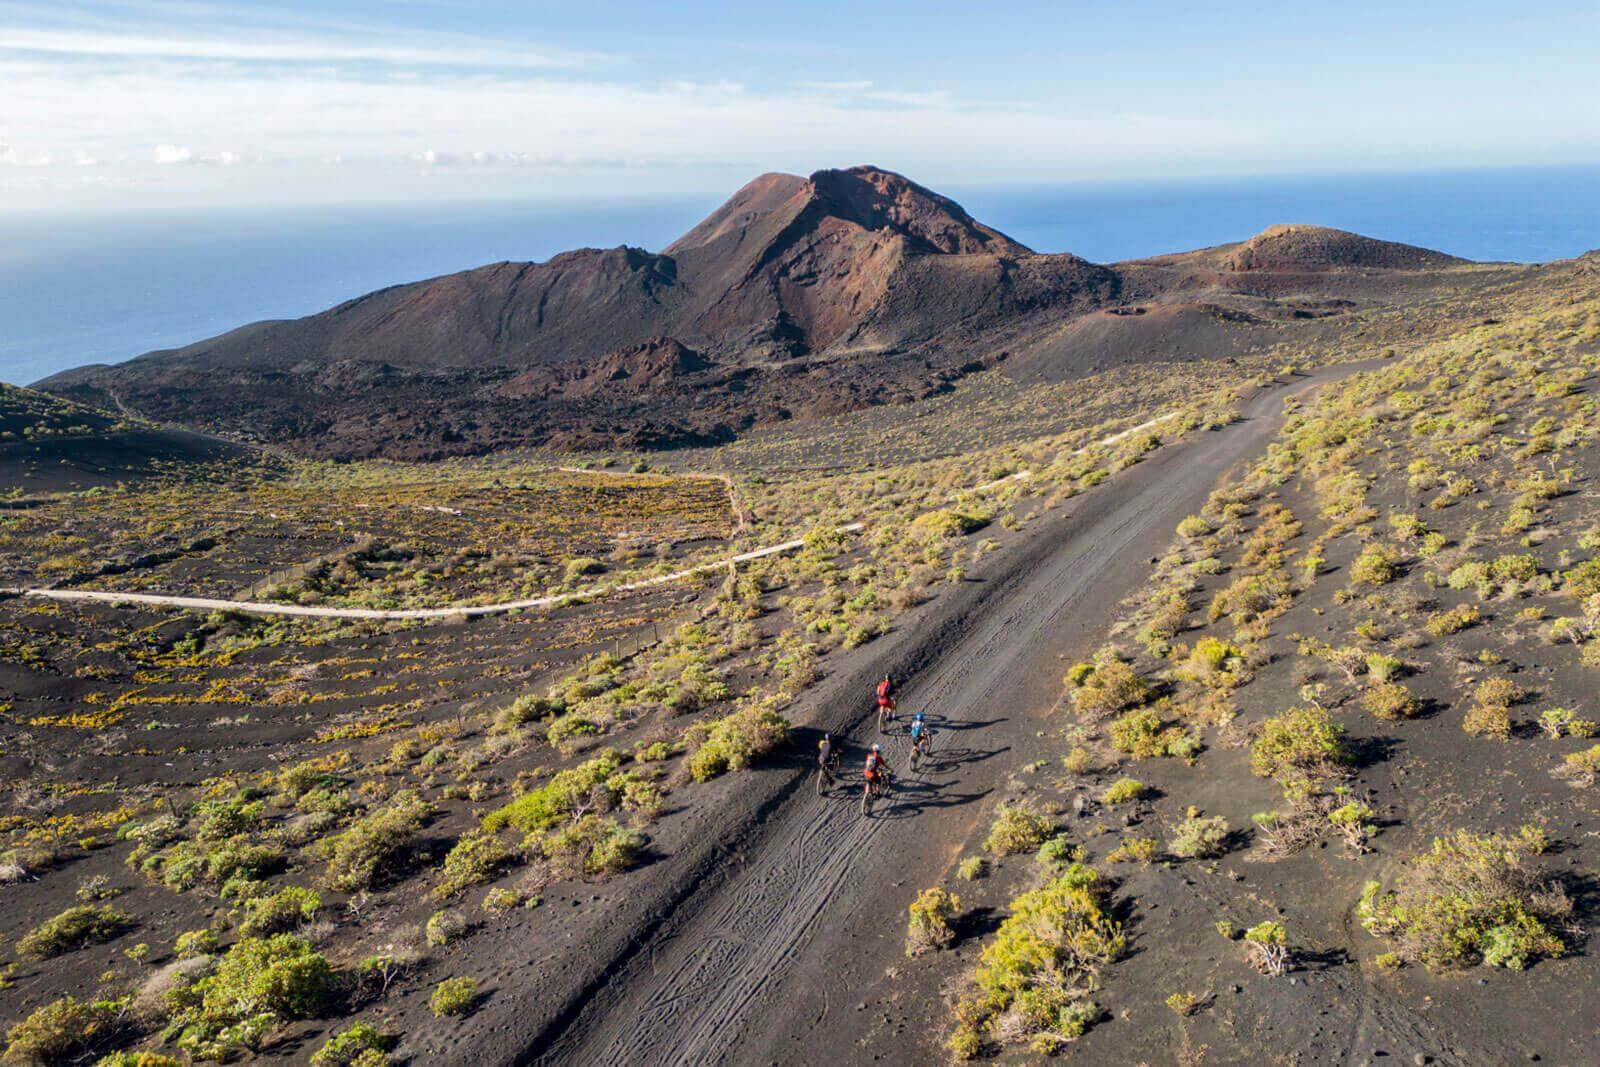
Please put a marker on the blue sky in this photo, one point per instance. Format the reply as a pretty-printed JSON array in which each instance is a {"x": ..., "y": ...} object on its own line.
[{"x": 125, "y": 104}]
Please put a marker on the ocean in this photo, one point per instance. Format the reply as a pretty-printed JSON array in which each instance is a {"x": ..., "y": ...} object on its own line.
[{"x": 103, "y": 288}]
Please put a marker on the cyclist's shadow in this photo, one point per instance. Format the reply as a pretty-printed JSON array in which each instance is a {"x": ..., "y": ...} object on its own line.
[{"x": 906, "y": 801}]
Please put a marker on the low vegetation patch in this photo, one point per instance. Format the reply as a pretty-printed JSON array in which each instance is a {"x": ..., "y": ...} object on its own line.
[
  {"x": 1032, "y": 987},
  {"x": 75, "y": 928},
  {"x": 929, "y": 926},
  {"x": 1470, "y": 899}
]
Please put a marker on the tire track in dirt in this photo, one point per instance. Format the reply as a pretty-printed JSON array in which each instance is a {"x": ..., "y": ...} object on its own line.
[{"x": 719, "y": 967}]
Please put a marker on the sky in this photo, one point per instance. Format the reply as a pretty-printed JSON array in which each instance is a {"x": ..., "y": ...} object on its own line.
[{"x": 122, "y": 105}]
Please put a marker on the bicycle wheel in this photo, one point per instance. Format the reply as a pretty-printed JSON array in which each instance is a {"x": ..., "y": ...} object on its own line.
[{"x": 866, "y": 799}]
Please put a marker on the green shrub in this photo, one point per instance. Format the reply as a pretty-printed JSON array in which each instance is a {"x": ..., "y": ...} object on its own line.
[
  {"x": 75, "y": 928},
  {"x": 929, "y": 926},
  {"x": 1376, "y": 565},
  {"x": 1582, "y": 581},
  {"x": 444, "y": 926},
  {"x": 972, "y": 868},
  {"x": 500, "y": 900},
  {"x": 593, "y": 845},
  {"x": 1458, "y": 618},
  {"x": 1472, "y": 898},
  {"x": 737, "y": 740},
  {"x": 1383, "y": 668},
  {"x": 186, "y": 864},
  {"x": 539, "y": 809},
  {"x": 260, "y": 982},
  {"x": 1040, "y": 965},
  {"x": 1408, "y": 527},
  {"x": 1583, "y": 766},
  {"x": 1521, "y": 568},
  {"x": 453, "y": 996},
  {"x": 379, "y": 847},
  {"x": 1200, "y": 837},
  {"x": 1141, "y": 850},
  {"x": 227, "y": 817},
  {"x": 1107, "y": 686},
  {"x": 1490, "y": 713},
  {"x": 582, "y": 567},
  {"x": 1297, "y": 745},
  {"x": 1193, "y": 527},
  {"x": 361, "y": 1045},
  {"x": 476, "y": 858},
  {"x": 1251, "y": 596},
  {"x": 1058, "y": 853},
  {"x": 1141, "y": 734},
  {"x": 528, "y": 708},
  {"x": 1215, "y": 663},
  {"x": 1472, "y": 575},
  {"x": 1017, "y": 828},
  {"x": 194, "y": 943},
  {"x": 288, "y": 909},
  {"x": 1390, "y": 701},
  {"x": 1124, "y": 791},
  {"x": 61, "y": 1031},
  {"x": 1267, "y": 947},
  {"x": 1354, "y": 821},
  {"x": 950, "y": 523}
]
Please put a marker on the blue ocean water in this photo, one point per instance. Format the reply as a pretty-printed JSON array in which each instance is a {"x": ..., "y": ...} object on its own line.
[{"x": 101, "y": 289}]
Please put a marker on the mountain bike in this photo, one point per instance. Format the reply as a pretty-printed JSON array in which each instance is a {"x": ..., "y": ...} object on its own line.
[
  {"x": 920, "y": 749},
  {"x": 827, "y": 772},
  {"x": 872, "y": 790}
]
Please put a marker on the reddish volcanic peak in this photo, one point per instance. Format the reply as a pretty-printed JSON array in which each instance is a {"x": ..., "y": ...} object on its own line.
[
  {"x": 876, "y": 199},
  {"x": 867, "y": 197}
]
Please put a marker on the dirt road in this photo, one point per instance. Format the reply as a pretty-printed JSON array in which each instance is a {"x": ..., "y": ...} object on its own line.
[{"x": 757, "y": 959}]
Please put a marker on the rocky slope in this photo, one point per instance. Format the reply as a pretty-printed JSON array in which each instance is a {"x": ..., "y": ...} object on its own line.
[{"x": 797, "y": 297}]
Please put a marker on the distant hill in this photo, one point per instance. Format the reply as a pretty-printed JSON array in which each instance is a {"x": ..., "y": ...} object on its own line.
[
  {"x": 797, "y": 297},
  {"x": 49, "y": 443}
]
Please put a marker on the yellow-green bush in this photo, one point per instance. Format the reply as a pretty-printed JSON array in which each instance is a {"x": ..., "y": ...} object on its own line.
[
  {"x": 72, "y": 929},
  {"x": 476, "y": 858},
  {"x": 1036, "y": 973},
  {"x": 1472, "y": 898},
  {"x": 1017, "y": 828},
  {"x": 737, "y": 740},
  {"x": 453, "y": 996},
  {"x": 929, "y": 925}
]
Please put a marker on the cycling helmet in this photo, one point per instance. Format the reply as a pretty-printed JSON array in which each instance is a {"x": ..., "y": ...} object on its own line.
[
  {"x": 919, "y": 716},
  {"x": 874, "y": 748}
]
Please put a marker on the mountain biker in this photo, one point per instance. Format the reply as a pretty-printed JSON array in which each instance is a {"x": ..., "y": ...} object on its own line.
[
  {"x": 917, "y": 728},
  {"x": 877, "y": 768},
  {"x": 886, "y": 693},
  {"x": 825, "y": 757}
]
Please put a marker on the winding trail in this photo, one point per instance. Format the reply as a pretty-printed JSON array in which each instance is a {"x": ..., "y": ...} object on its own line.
[
  {"x": 468, "y": 611},
  {"x": 755, "y": 949}
]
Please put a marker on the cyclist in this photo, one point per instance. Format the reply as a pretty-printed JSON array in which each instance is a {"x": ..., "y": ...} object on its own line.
[
  {"x": 885, "y": 703},
  {"x": 877, "y": 770},
  {"x": 919, "y": 738},
  {"x": 826, "y": 760}
]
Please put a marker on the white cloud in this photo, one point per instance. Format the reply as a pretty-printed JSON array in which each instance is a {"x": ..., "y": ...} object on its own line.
[
  {"x": 168, "y": 154},
  {"x": 293, "y": 47}
]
